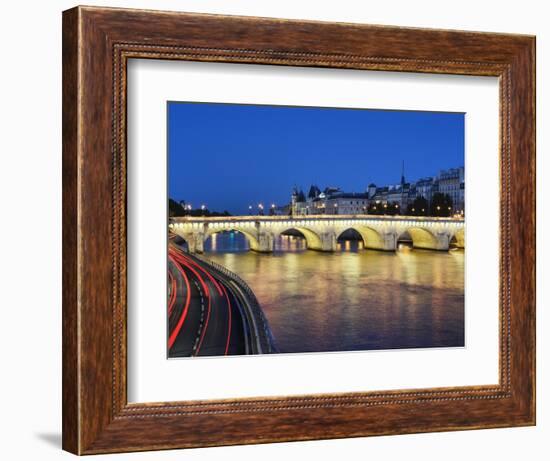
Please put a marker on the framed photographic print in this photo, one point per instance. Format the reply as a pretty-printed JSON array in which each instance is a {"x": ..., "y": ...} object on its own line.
[{"x": 282, "y": 230}]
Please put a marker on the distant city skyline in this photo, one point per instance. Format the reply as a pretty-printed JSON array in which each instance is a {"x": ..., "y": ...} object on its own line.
[{"x": 231, "y": 156}]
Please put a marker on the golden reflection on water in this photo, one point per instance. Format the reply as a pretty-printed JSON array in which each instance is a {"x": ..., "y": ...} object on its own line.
[
  {"x": 352, "y": 299},
  {"x": 214, "y": 242}
]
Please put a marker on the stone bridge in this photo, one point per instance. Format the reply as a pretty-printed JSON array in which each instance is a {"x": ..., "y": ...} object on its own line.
[{"x": 321, "y": 232}]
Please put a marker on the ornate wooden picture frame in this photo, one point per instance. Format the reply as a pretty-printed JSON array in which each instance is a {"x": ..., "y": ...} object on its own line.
[{"x": 97, "y": 44}]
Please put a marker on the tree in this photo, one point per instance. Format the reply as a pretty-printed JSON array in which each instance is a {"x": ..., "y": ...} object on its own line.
[
  {"x": 175, "y": 208},
  {"x": 392, "y": 208},
  {"x": 389, "y": 208},
  {"x": 419, "y": 207},
  {"x": 375, "y": 208},
  {"x": 442, "y": 205}
]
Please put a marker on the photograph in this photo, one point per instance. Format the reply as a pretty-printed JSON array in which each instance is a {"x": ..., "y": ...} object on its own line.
[{"x": 298, "y": 229}]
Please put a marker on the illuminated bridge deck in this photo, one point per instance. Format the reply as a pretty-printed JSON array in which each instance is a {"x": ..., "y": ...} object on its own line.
[{"x": 321, "y": 232}]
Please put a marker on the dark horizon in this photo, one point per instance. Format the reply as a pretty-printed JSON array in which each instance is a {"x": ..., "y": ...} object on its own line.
[{"x": 230, "y": 156}]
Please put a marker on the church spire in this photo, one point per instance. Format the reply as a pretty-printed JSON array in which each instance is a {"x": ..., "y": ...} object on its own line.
[{"x": 403, "y": 172}]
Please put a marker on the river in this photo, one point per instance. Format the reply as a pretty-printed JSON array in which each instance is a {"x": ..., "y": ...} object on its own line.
[{"x": 352, "y": 299}]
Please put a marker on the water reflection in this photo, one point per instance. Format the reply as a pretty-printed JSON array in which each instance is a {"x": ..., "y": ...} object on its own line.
[
  {"x": 353, "y": 299},
  {"x": 290, "y": 243}
]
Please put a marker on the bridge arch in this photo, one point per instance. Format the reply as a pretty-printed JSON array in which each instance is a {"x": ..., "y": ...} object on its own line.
[
  {"x": 424, "y": 238},
  {"x": 313, "y": 240},
  {"x": 458, "y": 238},
  {"x": 250, "y": 237},
  {"x": 372, "y": 239},
  {"x": 193, "y": 240},
  {"x": 178, "y": 240}
]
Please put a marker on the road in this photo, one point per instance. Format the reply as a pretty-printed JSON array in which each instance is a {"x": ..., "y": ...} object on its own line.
[{"x": 210, "y": 313}]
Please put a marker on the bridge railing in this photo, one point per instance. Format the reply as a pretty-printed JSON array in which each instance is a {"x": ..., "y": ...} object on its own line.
[
  {"x": 320, "y": 217},
  {"x": 256, "y": 309}
]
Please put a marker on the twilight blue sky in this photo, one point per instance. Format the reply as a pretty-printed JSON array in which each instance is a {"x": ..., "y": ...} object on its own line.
[{"x": 229, "y": 156}]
